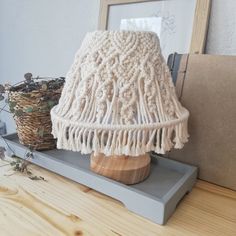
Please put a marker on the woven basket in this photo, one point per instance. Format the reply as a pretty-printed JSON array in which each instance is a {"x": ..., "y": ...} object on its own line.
[{"x": 31, "y": 112}]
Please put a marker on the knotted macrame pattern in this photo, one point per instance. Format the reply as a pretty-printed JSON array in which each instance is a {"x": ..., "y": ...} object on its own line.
[{"x": 119, "y": 98}]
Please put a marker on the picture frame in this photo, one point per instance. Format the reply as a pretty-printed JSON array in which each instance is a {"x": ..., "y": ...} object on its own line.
[{"x": 199, "y": 27}]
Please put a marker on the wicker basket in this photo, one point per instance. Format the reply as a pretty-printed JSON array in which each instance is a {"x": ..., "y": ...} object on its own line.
[{"x": 31, "y": 112}]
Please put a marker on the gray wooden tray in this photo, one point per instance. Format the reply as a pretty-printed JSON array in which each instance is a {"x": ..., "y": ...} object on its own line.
[{"x": 156, "y": 198}]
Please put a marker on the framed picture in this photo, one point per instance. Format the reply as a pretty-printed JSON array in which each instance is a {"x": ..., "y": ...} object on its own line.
[{"x": 180, "y": 24}]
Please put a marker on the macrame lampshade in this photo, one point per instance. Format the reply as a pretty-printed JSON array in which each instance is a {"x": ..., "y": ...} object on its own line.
[{"x": 119, "y": 98}]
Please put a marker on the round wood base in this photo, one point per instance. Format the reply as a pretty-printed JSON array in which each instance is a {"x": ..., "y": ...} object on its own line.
[{"x": 125, "y": 169}]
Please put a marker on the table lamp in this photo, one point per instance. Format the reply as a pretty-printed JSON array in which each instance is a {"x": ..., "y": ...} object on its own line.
[{"x": 119, "y": 103}]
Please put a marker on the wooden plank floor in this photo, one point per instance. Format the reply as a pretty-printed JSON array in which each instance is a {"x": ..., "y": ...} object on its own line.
[{"x": 59, "y": 206}]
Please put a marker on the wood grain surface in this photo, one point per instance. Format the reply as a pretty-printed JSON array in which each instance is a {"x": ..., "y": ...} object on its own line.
[
  {"x": 57, "y": 206},
  {"x": 200, "y": 26},
  {"x": 125, "y": 169}
]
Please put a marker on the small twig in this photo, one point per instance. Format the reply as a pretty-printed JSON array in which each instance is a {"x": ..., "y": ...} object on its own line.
[{"x": 3, "y": 108}]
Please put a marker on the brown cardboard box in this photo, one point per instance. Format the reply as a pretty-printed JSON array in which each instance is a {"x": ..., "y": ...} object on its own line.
[{"x": 206, "y": 85}]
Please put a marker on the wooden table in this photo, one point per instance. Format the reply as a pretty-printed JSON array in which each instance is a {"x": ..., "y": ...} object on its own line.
[{"x": 58, "y": 206}]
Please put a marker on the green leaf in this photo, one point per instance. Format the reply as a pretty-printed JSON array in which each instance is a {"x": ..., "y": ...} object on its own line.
[
  {"x": 34, "y": 178},
  {"x": 19, "y": 112},
  {"x": 51, "y": 103},
  {"x": 13, "y": 163},
  {"x": 41, "y": 132},
  {"x": 44, "y": 109},
  {"x": 28, "y": 76},
  {"x": 12, "y": 106},
  {"x": 27, "y": 95},
  {"x": 37, "y": 178},
  {"x": 44, "y": 87},
  {"x": 29, "y": 109}
]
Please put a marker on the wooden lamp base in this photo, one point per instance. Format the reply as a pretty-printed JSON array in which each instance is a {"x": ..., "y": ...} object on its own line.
[{"x": 125, "y": 169}]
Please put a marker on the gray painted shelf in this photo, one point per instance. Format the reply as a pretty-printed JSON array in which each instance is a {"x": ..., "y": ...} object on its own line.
[{"x": 155, "y": 198}]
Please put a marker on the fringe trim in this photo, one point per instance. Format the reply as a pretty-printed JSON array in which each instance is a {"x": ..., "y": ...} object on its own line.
[{"x": 132, "y": 140}]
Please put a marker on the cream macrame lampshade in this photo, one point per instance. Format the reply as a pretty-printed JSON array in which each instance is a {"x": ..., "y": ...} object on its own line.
[{"x": 119, "y": 98}]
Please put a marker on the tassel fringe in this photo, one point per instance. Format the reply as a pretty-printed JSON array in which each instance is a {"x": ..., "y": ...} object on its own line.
[{"x": 132, "y": 140}]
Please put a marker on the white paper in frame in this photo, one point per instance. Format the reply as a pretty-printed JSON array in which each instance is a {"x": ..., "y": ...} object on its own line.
[{"x": 180, "y": 24}]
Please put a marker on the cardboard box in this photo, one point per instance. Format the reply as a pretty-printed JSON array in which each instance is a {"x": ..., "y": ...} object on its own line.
[{"x": 206, "y": 85}]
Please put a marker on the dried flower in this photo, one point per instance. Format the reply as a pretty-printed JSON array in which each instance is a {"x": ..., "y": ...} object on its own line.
[
  {"x": 7, "y": 86},
  {"x": 28, "y": 77},
  {"x": 44, "y": 87}
]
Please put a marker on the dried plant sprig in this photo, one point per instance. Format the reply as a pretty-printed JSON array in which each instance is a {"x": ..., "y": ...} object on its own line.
[
  {"x": 28, "y": 76},
  {"x": 20, "y": 165},
  {"x": 28, "y": 85},
  {"x": 32, "y": 83}
]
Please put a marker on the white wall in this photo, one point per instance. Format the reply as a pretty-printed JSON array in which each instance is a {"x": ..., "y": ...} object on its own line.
[
  {"x": 42, "y": 36},
  {"x": 222, "y": 28}
]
